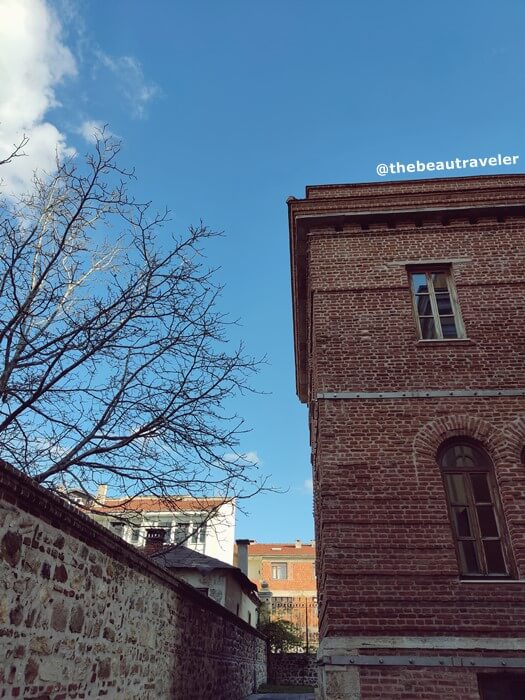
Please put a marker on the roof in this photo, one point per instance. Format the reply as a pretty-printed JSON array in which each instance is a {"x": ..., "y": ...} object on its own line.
[
  {"x": 159, "y": 505},
  {"x": 181, "y": 557},
  {"x": 281, "y": 550}
]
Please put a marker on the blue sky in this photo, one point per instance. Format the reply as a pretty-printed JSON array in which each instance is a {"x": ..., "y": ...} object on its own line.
[{"x": 227, "y": 108}]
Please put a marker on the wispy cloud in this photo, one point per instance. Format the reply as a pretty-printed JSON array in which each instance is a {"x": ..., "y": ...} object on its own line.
[
  {"x": 33, "y": 61},
  {"x": 91, "y": 128},
  {"x": 248, "y": 458},
  {"x": 308, "y": 485},
  {"x": 131, "y": 81}
]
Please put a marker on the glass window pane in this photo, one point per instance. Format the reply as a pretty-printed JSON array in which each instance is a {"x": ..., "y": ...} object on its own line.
[
  {"x": 439, "y": 280},
  {"x": 280, "y": 571},
  {"x": 461, "y": 517},
  {"x": 424, "y": 307},
  {"x": 480, "y": 488},
  {"x": 456, "y": 488},
  {"x": 487, "y": 521},
  {"x": 428, "y": 328},
  {"x": 448, "y": 326},
  {"x": 468, "y": 557},
  {"x": 444, "y": 304},
  {"x": 494, "y": 556},
  {"x": 181, "y": 532},
  {"x": 461, "y": 456},
  {"x": 419, "y": 283}
]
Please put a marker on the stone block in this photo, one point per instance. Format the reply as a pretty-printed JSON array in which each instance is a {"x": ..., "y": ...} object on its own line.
[
  {"x": 76, "y": 621},
  {"x": 59, "y": 617},
  {"x": 11, "y": 547}
]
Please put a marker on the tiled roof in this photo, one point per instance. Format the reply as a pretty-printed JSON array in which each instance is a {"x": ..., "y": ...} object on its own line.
[
  {"x": 160, "y": 505},
  {"x": 281, "y": 550}
]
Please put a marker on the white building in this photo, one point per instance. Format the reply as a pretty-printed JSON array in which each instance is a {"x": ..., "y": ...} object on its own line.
[
  {"x": 225, "y": 584},
  {"x": 205, "y": 525}
]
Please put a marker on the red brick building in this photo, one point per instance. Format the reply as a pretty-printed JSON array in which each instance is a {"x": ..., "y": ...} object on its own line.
[
  {"x": 409, "y": 305},
  {"x": 285, "y": 577}
]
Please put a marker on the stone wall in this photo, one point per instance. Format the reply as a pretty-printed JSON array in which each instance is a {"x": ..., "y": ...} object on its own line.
[
  {"x": 292, "y": 669},
  {"x": 84, "y": 615}
]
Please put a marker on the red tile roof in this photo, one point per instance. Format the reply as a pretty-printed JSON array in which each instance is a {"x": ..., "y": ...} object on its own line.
[
  {"x": 278, "y": 550},
  {"x": 159, "y": 505}
]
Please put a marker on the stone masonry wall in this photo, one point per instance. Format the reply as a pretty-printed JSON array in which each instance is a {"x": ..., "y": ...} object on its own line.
[
  {"x": 84, "y": 615},
  {"x": 292, "y": 669}
]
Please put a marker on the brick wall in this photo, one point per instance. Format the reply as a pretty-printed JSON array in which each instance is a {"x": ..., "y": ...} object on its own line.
[
  {"x": 386, "y": 558},
  {"x": 85, "y": 615},
  {"x": 300, "y": 579}
]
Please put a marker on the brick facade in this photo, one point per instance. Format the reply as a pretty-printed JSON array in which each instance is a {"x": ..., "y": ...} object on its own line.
[
  {"x": 293, "y": 596},
  {"x": 382, "y": 401}
]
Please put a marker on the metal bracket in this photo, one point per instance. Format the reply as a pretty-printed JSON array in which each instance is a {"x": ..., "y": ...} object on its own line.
[
  {"x": 404, "y": 660},
  {"x": 419, "y": 393}
]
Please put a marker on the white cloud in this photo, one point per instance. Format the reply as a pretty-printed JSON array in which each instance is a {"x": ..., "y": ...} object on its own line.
[
  {"x": 33, "y": 61},
  {"x": 251, "y": 458},
  {"x": 131, "y": 81},
  {"x": 92, "y": 128},
  {"x": 308, "y": 485}
]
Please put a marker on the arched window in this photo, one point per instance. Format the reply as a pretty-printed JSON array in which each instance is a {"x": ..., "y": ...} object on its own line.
[{"x": 474, "y": 509}]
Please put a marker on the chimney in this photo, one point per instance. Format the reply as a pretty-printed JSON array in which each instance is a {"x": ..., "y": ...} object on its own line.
[
  {"x": 155, "y": 537},
  {"x": 242, "y": 555},
  {"x": 101, "y": 493},
  {"x": 298, "y": 544}
]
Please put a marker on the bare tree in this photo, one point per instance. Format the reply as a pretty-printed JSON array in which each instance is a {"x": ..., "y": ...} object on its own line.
[{"x": 115, "y": 364}]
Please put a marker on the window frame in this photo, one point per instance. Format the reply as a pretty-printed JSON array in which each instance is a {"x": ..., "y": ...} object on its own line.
[
  {"x": 428, "y": 271},
  {"x": 476, "y": 535},
  {"x": 279, "y": 564}
]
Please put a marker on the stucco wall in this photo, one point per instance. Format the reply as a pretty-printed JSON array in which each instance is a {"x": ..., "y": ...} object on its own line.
[{"x": 84, "y": 614}]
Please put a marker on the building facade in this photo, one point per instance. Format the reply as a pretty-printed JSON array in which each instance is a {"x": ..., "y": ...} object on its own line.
[
  {"x": 285, "y": 577},
  {"x": 409, "y": 304},
  {"x": 205, "y": 525}
]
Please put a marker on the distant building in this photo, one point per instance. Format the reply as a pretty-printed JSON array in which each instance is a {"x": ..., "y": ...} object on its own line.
[
  {"x": 285, "y": 577},
  {"x": 225, "y": 584},
  {"x": 205, "y": 525}
]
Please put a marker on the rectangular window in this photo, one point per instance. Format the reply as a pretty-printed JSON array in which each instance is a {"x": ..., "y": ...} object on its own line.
[
  {"x": 199, "y": 534},
  {"x": 135, "y": 535},
  {"x": 436, "y": 305},
  {"x": 280, "y": 571},
  {"x": 181, "y": 532}
]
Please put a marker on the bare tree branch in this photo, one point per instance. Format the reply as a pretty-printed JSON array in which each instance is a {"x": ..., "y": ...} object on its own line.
[
  {"x": 115, "y": 366},
  {"x": 17, "y": 152}
]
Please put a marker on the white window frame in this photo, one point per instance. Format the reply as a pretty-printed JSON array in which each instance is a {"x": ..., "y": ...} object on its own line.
[{"x": 277, "y": 565}]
